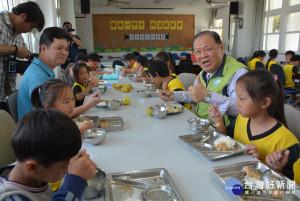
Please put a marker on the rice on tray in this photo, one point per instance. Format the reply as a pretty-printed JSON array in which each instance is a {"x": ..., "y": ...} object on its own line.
[{"x": 227, "y": 140}]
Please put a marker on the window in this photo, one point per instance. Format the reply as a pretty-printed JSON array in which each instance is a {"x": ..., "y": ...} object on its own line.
[
  {"x": 219, "y": 25},
  {"x": 281, "y": 25}
]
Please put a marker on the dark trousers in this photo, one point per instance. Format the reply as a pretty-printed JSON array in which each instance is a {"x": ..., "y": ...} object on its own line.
[{"x": 3, "y": 106}]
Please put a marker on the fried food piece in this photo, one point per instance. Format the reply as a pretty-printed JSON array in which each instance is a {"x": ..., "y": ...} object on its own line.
[
  {"x": 104, "y": 124},
  {"x": 218, "y": 124},
  {"x": 221, "y": 147},
  {"x": 276, "y": 193},
  {"x": 251, "y": 173}
]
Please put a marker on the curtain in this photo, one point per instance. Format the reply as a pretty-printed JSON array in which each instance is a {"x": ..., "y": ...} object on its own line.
[
  {"x": 257, "y": 24},
  {"x": 235, "y": 38}
]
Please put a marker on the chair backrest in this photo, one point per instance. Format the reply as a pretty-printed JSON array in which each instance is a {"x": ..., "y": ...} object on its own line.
[
  {"x": 240, "y": 59},
  {"x": 117, "y": 62},
  {"x": 185, "y": 66},
  {"x": 7, "y": 126},
  {"x": 183, "y": 54},
  {"x": 149, "y": 56},
  {"x": 276, "y": 69},
  {"x": 259, "y": 66},
  {"x": 187, "y": 79},
  {"x": 292, "y": 116},
  {"x": 193, "y": 58},
  {"x": 12, "y": 105},
  {"x": 175, "y": 56}
]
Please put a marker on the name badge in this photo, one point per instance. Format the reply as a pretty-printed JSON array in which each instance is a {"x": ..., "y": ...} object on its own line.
[{"x": 217, "y": 81}]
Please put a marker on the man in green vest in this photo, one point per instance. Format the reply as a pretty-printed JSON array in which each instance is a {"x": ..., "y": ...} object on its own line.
[{"x": 216, "y": 82}]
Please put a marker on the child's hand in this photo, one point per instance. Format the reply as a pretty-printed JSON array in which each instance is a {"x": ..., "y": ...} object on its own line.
[
  {"x": 93, "y": 83},
  {"x": 82, "y": 166},
  {"x": 86, "y": 125},
  {"x": 252, "y": 150},
  {"x": 272, "y": 157},
  {"x": 216, "y": 116},
  {"x": 165, "y": 86},
  {"x": 94, "y": 99},
  {"x": 169, "y": 94}
]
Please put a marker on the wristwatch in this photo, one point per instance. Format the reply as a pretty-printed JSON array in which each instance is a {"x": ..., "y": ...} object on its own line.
[{"x": 207, "y": 97}]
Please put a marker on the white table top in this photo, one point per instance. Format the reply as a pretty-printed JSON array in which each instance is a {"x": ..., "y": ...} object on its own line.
[{"x": 147, "y": 143}]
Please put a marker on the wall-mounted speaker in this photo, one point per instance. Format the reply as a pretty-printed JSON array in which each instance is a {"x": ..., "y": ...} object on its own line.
[
  {"x": 85, "y": 6},
  {"x": 234, "y": 8}
]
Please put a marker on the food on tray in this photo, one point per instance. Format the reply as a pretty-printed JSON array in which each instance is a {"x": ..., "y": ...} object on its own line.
[
  {"x": 174, "y": 109},
  {"x": 250, "y": 173},
  {"x": 102, "y": 104},
  {"x": 78, "y": 123},
  {"x": 218, "y": 124},
  {"x": 224, "y": 143},
  {"x": 276, "y": 194},
  {"x": 253, "y": 177},
  {"x": 142, "y": 85},
  {"x": 104, "y": 124}
]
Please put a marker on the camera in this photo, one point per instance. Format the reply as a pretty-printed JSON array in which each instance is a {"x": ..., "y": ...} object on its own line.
[
  {"x": 67, "y": 29},
  {"x": 19, "y": 66}
]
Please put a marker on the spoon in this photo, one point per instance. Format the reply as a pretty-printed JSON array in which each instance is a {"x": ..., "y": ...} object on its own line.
[{"x": 265, "y": 176}]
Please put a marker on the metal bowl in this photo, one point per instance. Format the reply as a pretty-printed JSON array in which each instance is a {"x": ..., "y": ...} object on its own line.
[
  {"x": 113, "y": 104},
  {"x": 154, "y": 92},
  {"x": 151, "y": 86},
  {"x": 157, "y": 193},
  {"x": 198, "y": 124},
  {"x": 94, "y": 136},
  {"x": 95, "y": 185},
  {"x": 144, "y": 93},
  {"x": 159, "y": 112}
]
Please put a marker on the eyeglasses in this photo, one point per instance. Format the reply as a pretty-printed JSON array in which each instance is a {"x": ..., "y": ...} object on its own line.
[{"x": 205, "y": 50}]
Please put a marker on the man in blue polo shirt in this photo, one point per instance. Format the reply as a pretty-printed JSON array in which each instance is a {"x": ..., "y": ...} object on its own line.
[{"x": 53, "y": 52}]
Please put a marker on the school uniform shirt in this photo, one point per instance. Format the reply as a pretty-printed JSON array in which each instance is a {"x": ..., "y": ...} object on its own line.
[
  {"x": 89, "y": 68},
  {"x": 269, "y": 64},
  {"x": 289, "y": 71},
  {"x": 252, "y": 62},
  {"x": 297, "y": 172},
  {"x": 77, "y": 89},
  {"x": 71, "y": 189},
  {"x": 175, "y": 85},
  {"x": 278, "y": 137}
]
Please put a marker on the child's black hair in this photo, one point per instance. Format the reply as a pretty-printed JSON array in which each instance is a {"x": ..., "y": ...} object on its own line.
[
  {"x": 47, "y": 136},
  {"x": 290, "y": 52},
  {"x": 295, "y": 57},
  {"x": 142, "y": 60},
  {"x": 129, "y": 57},
  {"x": 159, "y": 67},
  {"x": 94, "y": 57},
  {"x": 47, "y": 93},
  {"x": 272, "y": 55},
  {"x": 260, "y": 84},
  {"x": 77, "y": 67},
  {"x": 259, "y": 53},
  {"x": 81, "y": 58},
  {"x": 165, "y": 57},
  {"x": 67, "y": 70}
]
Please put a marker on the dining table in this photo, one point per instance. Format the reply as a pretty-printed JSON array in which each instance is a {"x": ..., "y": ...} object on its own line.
[{"x": 149, "y": 143}]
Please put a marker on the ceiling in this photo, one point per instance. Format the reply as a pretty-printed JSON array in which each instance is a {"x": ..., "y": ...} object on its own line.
[{"x": 160, "y": 4}]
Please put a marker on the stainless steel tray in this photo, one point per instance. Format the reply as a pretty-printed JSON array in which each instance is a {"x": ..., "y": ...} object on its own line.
[
  {"x": 203, "y": 143},
  {"x": 88, "y": 118},
  {"x": 181, "y": 108},
  {"x": 114, "y": 123},
  {"x": 115, "y": 191},
  {"x": 223, "y": 173},
  {"x": 148, "y": 92}
]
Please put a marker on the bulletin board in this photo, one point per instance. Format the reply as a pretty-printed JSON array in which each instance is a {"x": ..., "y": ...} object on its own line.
[{"x": 142, "y": 32}]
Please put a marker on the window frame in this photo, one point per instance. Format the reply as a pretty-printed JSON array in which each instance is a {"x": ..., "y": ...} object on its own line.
[{"x": 284, "y": 11}]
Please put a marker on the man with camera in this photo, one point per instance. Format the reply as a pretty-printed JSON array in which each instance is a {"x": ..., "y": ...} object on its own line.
[
  {"x": 74, "y": 42},
  {"x": 23, "y": 18}
]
